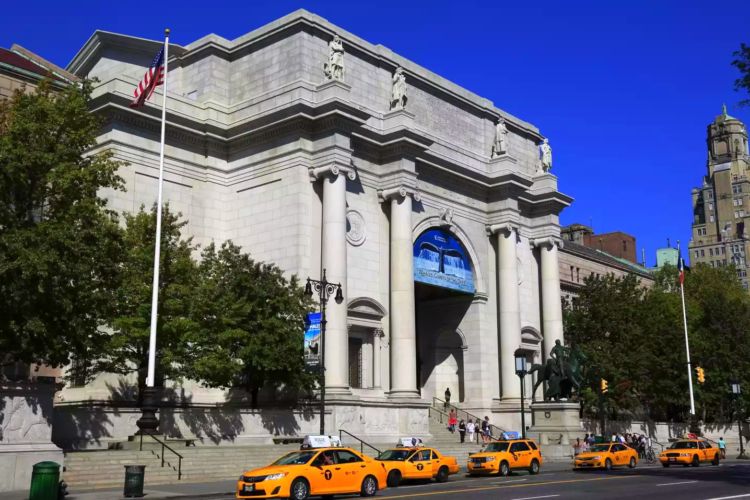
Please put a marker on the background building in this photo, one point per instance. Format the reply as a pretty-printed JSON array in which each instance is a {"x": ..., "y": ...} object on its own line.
[
  {"x": 617, "y": 243},
  {"x": 721, "y": 206}
]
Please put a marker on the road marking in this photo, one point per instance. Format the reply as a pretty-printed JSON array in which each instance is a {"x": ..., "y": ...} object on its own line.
[
  {"x": 510, "y": 481},
  {"x": 673, "y": 484},
  {"x": 727, "y": 498},
  {"x": 485, "y": 488},
  {"x": 534, "y": 498}
]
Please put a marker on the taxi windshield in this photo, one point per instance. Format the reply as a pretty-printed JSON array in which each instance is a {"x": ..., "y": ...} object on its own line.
[
  {"x": 501, "y": 446},
  {"x": 295, "y": 458},
  {"x": 684, "y": 445},
  {"x": 600, "y": 447},
  {"x": 399, "y": 455}
]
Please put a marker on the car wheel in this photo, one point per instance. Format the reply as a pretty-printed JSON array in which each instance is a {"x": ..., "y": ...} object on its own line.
[
  {"x": 504, "y": 468},
  {"x": 394, "y": 479},
  {"x": 442, "y": 474},
  {"x": 369, "y": 487},
  {"x": 608, "y": 464},
  {"x": 300, "y": 490},
  {"x": 715, "y": 461},
  {"x": 695, "y": 462},
  {"x": 534, "y": 469},
  {"x": 632, "y": 463}
]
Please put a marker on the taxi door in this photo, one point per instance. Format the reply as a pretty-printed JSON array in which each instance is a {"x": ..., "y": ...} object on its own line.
[
  {"x": 322, "y": 474},
  {"x": 521, "y": 455},
  {"x": 619, "y": 452},
  {"x": 419, "y": 466},
  {"x": 703, "y": 452},
  {"x": 437, "y": 462},
  {"x": 349, "y": 470}
]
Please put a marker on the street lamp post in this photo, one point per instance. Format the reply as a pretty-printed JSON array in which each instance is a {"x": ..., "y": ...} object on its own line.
[
  {"x": 521, "y": 372},
  {"x": 736, "y": 393},
  {"x": 324, "y": 290}
]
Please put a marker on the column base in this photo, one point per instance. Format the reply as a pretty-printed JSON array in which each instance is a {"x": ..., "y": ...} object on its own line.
[
  {"x": 338, "y": 390},
  {"x": 404, "y": 394}
]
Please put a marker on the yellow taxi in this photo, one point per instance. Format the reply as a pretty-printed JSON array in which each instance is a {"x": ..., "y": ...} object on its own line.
[
  {"x": 414, "y": 462},
  {"x": 501, "y": 457},
  {"x": 605, "y": 456},
  {"x": 320, "y": 468},
  {"x": 689, "y": 451}
]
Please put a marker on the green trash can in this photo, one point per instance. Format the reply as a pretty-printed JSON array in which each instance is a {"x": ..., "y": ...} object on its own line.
[
  {"x": 45, "y": 479},
  {"x": 134, "y": 480}
]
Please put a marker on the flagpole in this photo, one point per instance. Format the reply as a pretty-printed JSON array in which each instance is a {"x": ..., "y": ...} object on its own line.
[
  {"x": 687, "y": 344},
  {"x": 157, "y": 246}
]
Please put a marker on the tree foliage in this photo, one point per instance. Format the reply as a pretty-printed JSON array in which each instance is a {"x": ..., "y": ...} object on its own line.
[
  {"x": 635, "y": 339},
  {"x": 742, "y": 63},
  {"x": 59, "y": 245},
  {"x": 126, "y": 350},
  {"x": 250, "y": 324}
]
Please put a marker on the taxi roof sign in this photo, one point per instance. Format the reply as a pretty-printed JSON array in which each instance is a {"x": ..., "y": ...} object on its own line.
[
  {"x": 410, "y": 442},
  {"x": 321, "y": 442}
]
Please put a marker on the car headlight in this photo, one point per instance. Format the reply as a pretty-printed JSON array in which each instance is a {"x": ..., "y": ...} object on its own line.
[
  {"x": 279, "y": 475},
  {"x": 684, "y": 454},
  {"x": 489, "y": 459},
  {"x": 597, "y": 457}
]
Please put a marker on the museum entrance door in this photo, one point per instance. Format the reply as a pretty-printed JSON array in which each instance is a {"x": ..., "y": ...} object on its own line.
[{"x": 444, "y": 290}]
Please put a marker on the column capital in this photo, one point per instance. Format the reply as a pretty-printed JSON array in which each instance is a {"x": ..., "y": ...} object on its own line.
[
  {"x": 548, "y": 241},
  {"x": 506, "y": 227},
  {"x": 333, "y": 171},
  {"x": 401, "y": 191}
]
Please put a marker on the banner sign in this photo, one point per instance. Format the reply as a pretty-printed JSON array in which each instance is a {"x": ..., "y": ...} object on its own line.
[
  {"x": 312, "y": 340},
  {"x": 441, "y": 260}
]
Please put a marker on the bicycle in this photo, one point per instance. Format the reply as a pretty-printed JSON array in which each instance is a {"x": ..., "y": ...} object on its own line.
[{"x": 650, "y": 456}]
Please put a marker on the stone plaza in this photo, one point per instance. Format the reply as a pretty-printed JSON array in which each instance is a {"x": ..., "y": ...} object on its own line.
[{"x": 317, "y": 150}]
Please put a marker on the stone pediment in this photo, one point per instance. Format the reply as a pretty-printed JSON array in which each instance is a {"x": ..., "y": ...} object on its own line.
[{"x": 366, "y": 309}]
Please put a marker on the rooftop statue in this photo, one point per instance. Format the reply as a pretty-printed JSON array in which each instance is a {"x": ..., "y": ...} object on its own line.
[
  {"x": 334, "y": 68},
  {"x": 545, "y": 152},
  {"x": 398, "y": 89},
  {"x": 500, "y": 147}
]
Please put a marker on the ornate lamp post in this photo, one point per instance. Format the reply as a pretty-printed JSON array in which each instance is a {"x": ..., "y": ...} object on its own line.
[
  {"x": 521, "y": 372},
  {"x": 736, "y": 393},
  {"x": 324, "y": 290}
]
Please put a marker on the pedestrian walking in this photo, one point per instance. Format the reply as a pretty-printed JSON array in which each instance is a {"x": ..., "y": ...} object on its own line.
[
  {"x": 478, "y": 429},
  {"x": 452, "y": 421},
  {"x": 723, "y": 447},
  {"x": 470, "y": 428},
  {"x": 447, "y": 398},
  {"x": 577, "y": 447},
  {"x": 486, "y": 430},
  {"x": 462, "y": 430}
]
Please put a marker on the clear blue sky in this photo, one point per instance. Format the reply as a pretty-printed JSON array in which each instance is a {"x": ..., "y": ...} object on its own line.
[{"x": 623, "y": 89}]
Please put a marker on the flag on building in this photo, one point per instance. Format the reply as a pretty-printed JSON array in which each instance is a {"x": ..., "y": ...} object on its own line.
[{"x": 152, "y": 79}]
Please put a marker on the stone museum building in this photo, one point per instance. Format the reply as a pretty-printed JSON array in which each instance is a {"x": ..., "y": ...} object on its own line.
[
  {"x": 317, "y": 150},
  {"x": 721, "y": 205}
]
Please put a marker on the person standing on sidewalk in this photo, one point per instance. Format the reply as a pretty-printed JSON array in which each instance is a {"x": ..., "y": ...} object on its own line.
[
  {"x": 462, "y": 430},
  {"x": 722, "y": 447},
  {"x": 470, "y": 430}
]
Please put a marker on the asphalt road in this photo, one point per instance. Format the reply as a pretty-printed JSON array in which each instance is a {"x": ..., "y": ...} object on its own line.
[{"x": 727, "y": 481}]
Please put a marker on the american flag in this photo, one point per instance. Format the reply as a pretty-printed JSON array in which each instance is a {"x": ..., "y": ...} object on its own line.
[
  {"x": 152, "y": 79},
  {"x": 682, "y": 272}
]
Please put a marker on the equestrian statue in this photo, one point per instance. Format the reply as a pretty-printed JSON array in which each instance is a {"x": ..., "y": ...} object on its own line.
[{"x": 562, "y": 372}]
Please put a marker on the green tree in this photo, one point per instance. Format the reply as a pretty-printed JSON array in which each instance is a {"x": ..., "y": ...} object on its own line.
[
  {"x": 59, "y": 245},
  {"x": 126, "y": 350},
  {"x": 742, "y": 63},
  {"x": 250, "y": 324}
]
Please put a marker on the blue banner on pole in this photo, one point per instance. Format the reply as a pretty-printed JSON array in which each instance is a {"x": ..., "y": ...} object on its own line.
[
  {"x": 312, "y": 339},
  {"x": 441, "y": 260}
]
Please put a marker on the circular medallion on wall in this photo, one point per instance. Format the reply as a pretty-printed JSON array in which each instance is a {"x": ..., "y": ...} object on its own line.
[{"x": 355, "y": 228}]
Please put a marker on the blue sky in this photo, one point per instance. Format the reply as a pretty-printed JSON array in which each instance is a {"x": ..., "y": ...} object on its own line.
[{"x": 623, "y": 89}]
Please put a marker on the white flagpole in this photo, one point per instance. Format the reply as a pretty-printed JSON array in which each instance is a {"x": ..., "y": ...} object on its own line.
[
  {"x": 157, "y": 246},
  {"x": 687, "y": 344}
]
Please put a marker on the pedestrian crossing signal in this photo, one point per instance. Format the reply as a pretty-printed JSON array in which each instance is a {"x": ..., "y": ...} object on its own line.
[
  {"x": 604, "y": 386},
  {"x": 701, "y": 374}
]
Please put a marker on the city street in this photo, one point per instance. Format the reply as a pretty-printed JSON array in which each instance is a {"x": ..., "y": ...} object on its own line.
[{"x": 728, "y": 481}]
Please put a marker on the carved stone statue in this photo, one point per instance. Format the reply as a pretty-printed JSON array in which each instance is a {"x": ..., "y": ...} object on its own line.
[
  {"x": 545, "y": 152},
  {"x": 398, "y": 90},
  {"x": 334, "y": 68},
  {"x": 562, "y": 372},
  {"x": 499, "y": 146}
]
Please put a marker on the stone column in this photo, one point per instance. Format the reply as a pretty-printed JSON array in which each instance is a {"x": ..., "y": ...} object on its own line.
[
  {"x": 509, "y": 309},
  {"x": 376, "y": 334},
  {"x": 403, "y": 345},
  {"x": 334, "y": 262},
  {"x": 552, "y": 324}
]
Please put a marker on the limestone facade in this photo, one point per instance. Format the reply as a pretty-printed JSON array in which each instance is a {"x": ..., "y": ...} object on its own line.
[{"x": 313, "y": 172}]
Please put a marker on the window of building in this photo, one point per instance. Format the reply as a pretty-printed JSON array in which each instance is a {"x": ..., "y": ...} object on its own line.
[
  {"x": 703, "y": 253},
  {"x": 710, "y": 194},
  {"x": 624, "y": 246},
  {"x": 578, "y": 274},
  {"x": 710, "y": 206},
  {"x": 742, "y": 213},
  {"x": 723, "y": 250},
  {"x": 696, "y": 254},
  {"x": 711, "y": 252},
  {"x": 711, "y": 218},
  {"x": 736, "y": 214}
]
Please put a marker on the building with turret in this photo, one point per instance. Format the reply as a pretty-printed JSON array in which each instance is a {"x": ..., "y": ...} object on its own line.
[{"x": 721, "y": 206}]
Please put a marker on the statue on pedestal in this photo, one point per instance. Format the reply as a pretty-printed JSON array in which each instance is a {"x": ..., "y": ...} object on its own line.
[
  {"x": 499, "y": 146},
  {"x": 545, "y": 153},
  {"x": 562, "y": 372},
  {"x": 398, "y": 89},
  {"x": 334, "y": 68}
]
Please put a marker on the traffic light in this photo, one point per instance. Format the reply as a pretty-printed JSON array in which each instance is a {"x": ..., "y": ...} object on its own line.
[
  {"x": 604, "y": 386},
  {"x": 701, "y": 374}
]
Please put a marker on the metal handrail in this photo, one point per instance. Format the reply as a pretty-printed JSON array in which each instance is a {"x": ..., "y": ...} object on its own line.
[
  {"x": 165, "y": 446},
  {"x": 495, "y": 431},
  {"x": 362, "y": 443}
]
